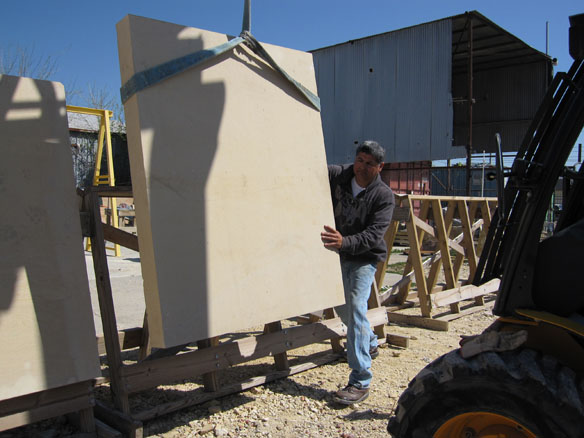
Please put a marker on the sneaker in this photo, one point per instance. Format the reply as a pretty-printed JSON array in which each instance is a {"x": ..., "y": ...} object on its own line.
[
  {"x": 350, "y": 395},
  {"x": 373, "y": 352}
]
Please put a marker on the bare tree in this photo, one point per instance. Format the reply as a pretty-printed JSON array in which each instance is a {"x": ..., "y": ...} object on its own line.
[
  {"x": 22, "y": 61},
  {"x": 102, "y": 98}
]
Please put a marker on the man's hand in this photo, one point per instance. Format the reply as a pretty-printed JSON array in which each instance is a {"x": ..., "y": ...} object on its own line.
[{"x": 331, "y": 238}]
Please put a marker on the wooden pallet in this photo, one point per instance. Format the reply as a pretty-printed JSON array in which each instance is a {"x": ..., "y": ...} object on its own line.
[{"x": 210, "y": 355}]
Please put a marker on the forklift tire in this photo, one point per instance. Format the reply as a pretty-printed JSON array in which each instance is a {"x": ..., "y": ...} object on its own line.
[{"x": 518, "y": 393}]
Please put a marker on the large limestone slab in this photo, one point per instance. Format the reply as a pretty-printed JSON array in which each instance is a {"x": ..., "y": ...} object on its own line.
[
  {"x": 230, "y": 185},
  {"x": 46, "y": 322}
]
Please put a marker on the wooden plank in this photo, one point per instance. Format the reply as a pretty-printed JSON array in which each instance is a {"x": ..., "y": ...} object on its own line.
[
  {"x": 46, "y": 411},
  {"x": 156, "y": 372},
  {"x": 423, "y": 225},
  {"x": 468, "y": 241},
  {"x": 390, "y": 235},
  {"x": 106, "y": 305},
  {"x": 467, "y": 292},
  {"x": 464, "y": 311},
  {"x": 45, "y": 397},
  {"x": 418, "y": 321},
  {"x": 448, "y": 198},
  {"x": 121, "y": 237},
  {"x": 416, "y": 260},
  {"x": 427, "y": 228},
  {"x": 398, "y": 340},
  {"x": 389, "y": 239},
  {"x": 112, "y": 191},
  {"x": 374, "y": 303}
]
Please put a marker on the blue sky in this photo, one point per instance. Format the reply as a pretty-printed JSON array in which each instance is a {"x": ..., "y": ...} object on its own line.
[{"x": 81, "y": 35}]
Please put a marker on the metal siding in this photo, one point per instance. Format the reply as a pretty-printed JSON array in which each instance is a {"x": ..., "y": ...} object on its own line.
[
  {"x": 439, "y": 182},
  {"x": 394, "y": 88},
  {"x": 506, "y": 102}
]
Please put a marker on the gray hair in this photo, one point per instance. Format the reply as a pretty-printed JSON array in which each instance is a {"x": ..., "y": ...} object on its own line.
[{"x": 372, "y": 148}]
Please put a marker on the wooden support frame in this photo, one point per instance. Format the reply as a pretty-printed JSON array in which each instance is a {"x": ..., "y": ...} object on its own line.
[
  {"x": 76, "y": 399},
  {"x": 436, "y": 221},
  {"x": 211, "y": 356}
]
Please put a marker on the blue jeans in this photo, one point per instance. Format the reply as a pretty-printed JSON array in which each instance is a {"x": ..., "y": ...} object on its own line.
[{"x": 357, "y": 281}]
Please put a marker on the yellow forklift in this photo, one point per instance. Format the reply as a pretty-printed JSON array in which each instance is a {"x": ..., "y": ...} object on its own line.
[{"x": 524, "y": 375}]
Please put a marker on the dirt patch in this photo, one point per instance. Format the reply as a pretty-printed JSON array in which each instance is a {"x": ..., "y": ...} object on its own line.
[{"x": 297, "y": 406}]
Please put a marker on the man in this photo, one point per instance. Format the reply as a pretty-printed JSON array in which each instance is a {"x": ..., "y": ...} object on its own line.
[{"x": 363, "y": 206}]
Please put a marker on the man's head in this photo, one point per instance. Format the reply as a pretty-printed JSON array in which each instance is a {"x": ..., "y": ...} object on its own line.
[{"x": 368, "y": 162}]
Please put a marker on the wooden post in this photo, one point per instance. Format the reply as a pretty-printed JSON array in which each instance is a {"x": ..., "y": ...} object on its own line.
[
  {"x": 145, "y": 346},
  {"x": 335, "y": 341},
  {"x": 280, "y": 359},
  {"x": 374, "y": 303},
  {"x": 106, "y": 304},
  {"x": 415, "y": 257},
  {"x": 209, "y": 379}
]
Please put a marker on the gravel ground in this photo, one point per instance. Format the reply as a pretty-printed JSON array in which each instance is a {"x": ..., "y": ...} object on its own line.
[{"x": 300, "y": 405}]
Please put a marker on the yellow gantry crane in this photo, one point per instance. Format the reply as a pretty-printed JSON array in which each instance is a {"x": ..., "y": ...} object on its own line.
[{"x": 104, "y": 138}]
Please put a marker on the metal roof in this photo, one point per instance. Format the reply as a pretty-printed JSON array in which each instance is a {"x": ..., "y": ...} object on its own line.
[{"x": 493, "y": 46}]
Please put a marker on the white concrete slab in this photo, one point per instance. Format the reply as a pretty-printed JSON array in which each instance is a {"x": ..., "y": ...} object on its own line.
[
  {"x": 230, "y": 185},
  {"x": 46, "y": 326}
]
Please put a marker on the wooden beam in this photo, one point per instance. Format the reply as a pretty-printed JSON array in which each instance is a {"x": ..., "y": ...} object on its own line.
[
  {"x": 30, "y": 408},
  {"x": 280, "y": 359},
  {"x": 152, "y": 373},
  {"x": 123, "y": 238},
  {"x": 429, "y": 229},
  {"x": 418, "y": 321},
  {"x": 210, "y": 381},
  {"x": 398, "y": 340},
  {"x": 106, "y": 303},
  {"x": 467, "y": 292},
  {"x": 336, "y": 344},
  {"x": 113, "y": 192},
  {"x": 415, "y": 258}
]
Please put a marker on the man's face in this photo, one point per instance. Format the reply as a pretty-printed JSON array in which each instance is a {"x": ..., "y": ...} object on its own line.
[{"x": 366, "y": 169}]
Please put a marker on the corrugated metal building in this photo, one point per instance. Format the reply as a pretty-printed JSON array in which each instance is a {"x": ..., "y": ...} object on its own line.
[{"x": 410, "y": 89}]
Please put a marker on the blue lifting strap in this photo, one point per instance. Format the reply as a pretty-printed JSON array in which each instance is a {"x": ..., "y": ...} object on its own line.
[
  {"x": 159, "y": 73},
  {"x": 260, "y": 51}
]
